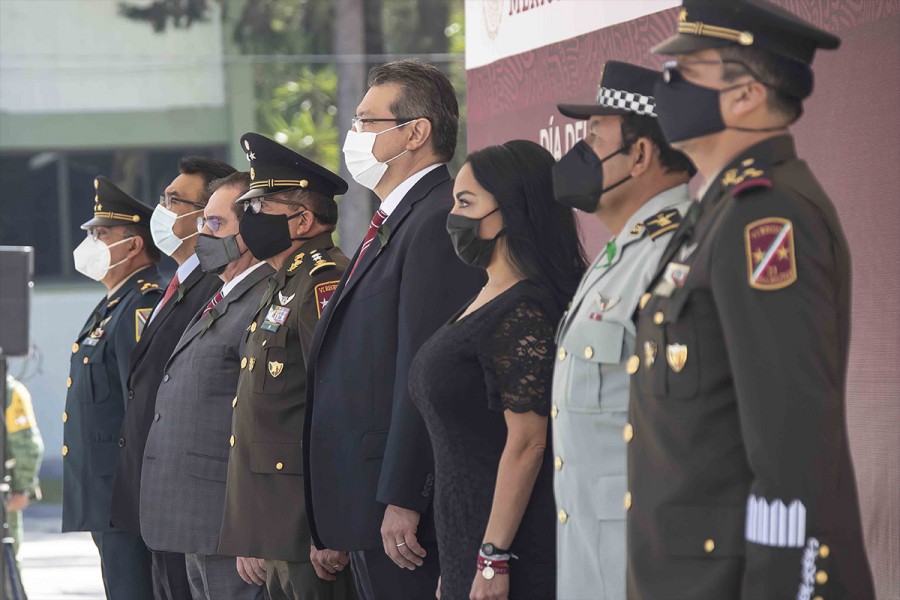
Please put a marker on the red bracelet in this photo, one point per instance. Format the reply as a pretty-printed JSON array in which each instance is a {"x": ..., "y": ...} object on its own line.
[{"x": 489, "y": 568}]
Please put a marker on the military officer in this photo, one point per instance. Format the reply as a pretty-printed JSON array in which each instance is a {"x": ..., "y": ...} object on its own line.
[
  {"x": 740, "y": 479},
  {"x": 118, "y": 251},
  {"x": 289, "y": 220},
  {"x": 24, "y": 451},
  {"x": 625, "y": 174}
]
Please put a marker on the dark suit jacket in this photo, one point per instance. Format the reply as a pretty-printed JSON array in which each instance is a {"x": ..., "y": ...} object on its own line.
[
  {"x": 146, "y": 370},
  {"x": 365, "y": 444},
  {"x": 95, "y": 402},
  {"x": 186, "y": 457}
]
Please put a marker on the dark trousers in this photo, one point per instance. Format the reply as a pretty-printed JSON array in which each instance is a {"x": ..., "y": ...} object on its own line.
[
  {"x": 298, "y": 581},
  {"x": 170, "y": 580},
  {"x": 214, "y": 577},
  {"x": 125, "y": 564},
  {"x": 377, "y": 577}
]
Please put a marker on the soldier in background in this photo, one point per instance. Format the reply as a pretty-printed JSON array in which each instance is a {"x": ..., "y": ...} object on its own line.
[
  {"x": 24, "y": 451},
  {"x": 739, "y": 471},
  {"x": 118, "y": 251}
]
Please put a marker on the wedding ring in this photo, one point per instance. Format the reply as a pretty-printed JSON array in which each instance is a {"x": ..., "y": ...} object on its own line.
[{"x": 401, "y": 544}]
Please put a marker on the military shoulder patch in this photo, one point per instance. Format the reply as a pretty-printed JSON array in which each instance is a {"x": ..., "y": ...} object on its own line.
[
  {"x": 663, "y": 222},
  {"x": 141, "y": 318},
  {"x": 738, "y": 180},
  {"x": 321, "y": 261},
  {"x": 19, "y": 412},
  {"x": 324, "y": 292},
  {"x": 771, "y": 262}
]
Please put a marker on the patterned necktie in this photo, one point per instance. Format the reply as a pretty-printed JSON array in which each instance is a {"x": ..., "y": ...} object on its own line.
[
  {"x": 170, "y": 291},
  {"x": 377, "y": 220},
  {"x": 212, "y": 303}
]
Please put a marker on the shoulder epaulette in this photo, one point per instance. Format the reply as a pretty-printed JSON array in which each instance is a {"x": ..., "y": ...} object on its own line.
[
  {"x": 321, "y": 261},
  {"x": 739, "y": 180},
  {"x": 662, "y": 222},
  {"x": 147, "y": 287}
]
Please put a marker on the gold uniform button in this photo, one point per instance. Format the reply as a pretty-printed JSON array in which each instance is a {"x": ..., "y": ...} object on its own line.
[
  {"x": 234, "y": 402},
  {"x": 65, "y": 450},
  {"x": 86, "y": 360},
  {"x": 628, "y": 432},
  {"x": 633, "y": 363},
  {"x": 563, "y": 516},
  {"x": 253, "y": 326},
  {"x": 659, "y": 317},
  {"x": 588, "y": 352},
  {"x": 264, "y": 343},
  {"x": 558, "y": 463},
  {"x": 243, "y": 362},
  {"x": 554, "y": 410},
  {"x": 821, "y": 577},
  {"x": 709, "y": 546},
  {"x": 824, "y": 551},
  {"x": 644, "y": 300},
  {"x": 279, "y": 465},
  {"x": 68, "y": 382},
  {"x": 627, "y": 500},
  {"x": 818, "y": 598},
  {"x": 65, "y": 417},
  {"x": 561, "y": 354},
  {"x": 75, "y": 347},
  {"x": 231, "y": 441}
]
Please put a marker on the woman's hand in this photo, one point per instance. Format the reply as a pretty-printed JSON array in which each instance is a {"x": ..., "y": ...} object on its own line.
[{"x": 490, "y": 589}]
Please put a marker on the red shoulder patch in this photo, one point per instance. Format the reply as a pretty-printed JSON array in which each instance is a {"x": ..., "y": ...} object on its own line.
[
  {"x": 324, "y": 292},
  {"x": 771, "y": 261}
]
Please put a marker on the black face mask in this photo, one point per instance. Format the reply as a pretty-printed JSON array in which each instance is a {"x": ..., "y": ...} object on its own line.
[
  {"x": 686, "y": 110},
  {"x": 267, "y": 235},
  {"x": 216, "y": 253},
  {"x": 578, "y": 178},
  {"x": 470, "y": 248}
]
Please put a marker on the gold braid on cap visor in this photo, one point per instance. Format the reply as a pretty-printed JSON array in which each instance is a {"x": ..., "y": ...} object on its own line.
[{"x": 744, "y": 38}]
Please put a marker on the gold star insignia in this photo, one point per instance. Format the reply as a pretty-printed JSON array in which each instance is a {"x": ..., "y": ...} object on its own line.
[
  {"x": 782, "y": 253},
  {"x": 758, "y": 256},
  {"x": 682, "y": 16}
]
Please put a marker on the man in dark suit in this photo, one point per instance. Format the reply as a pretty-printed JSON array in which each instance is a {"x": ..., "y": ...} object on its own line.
[
  {"x": 186, "y": 293},
  {"x": 367, "y": 455},
  {"x": 265, "y": 477},
  {"x": 119, "y": 252},
  {"x": 739, "y": 471},
  {"x": 186, "y": 456}
]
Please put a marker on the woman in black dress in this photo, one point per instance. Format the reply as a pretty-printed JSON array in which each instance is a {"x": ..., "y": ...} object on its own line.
[{"x": 483, "y": 381}]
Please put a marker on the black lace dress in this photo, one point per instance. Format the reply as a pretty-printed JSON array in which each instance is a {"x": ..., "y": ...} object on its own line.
[{"x": 464, "y": 377}]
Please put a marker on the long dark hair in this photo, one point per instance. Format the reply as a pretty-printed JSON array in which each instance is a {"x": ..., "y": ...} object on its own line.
[{"x": 541, "y": 234}]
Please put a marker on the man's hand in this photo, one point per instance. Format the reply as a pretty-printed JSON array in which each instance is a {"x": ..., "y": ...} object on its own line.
[
  {"x": 252, "y": 570},
  {"x": 398, "y": 534},
  {"x": 328, "y": 563},
  {"x": 17, "y": 501}
]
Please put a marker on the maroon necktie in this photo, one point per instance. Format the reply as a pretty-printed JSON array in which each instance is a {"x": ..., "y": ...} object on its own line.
[
  {"x": 170, "y": 291},
  {"x": 212, "y": 303},
  {"x": 377, "y": 219}
]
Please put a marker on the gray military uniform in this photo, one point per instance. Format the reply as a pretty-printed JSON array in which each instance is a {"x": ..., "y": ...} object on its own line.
[{"x": 590, "y": 403}]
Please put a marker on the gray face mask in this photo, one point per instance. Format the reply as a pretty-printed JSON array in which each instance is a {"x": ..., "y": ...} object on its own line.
[
  {"x": 470, "y": 248},
  {"x": 216, "y": 253}
]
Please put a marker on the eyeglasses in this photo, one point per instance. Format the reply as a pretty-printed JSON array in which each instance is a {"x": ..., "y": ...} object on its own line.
[
  {"x": 167, "y": 201},
  {"x": 671, "y": 69},
  {"x": 99, "y": 233},
  {"x": 213, "y": 223},
  {"x": 359, "y": 123},
  {"x": 257, "y": 205}
]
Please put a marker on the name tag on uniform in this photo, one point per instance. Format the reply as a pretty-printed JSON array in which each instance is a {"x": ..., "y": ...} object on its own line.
[{"x": 276, "y": 317}]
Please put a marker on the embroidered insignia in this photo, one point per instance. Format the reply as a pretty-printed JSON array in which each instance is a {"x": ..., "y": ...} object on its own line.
[
  {"x": 324, "y": 292},
  {"x": 112, "y": 303},
  {"x": 141, "y": 317},
  {"x": 604, "y": 304},
  {"x": 19, "y": 414},
  {"x": 749, "y": 177},
  {"x": 676, "y": 273},
  {"x": 320, "y": 261},
  {"x": 298, "y": 260},
  {"x": 149, "y": 286},
  {"x": 774, "y": 524},
  {"x": 285, "y": 299},
  {"x": 275, "y": 368},
  {"x": 663, "y": 222},
  {"x": 682, "y": 16},
  {"x": 676, "y": 356},
  {"x": 251, "y": 364},
  {"x": 771, "y": 262},
  {"x": 649, "y": 353},
  {"x": 637, "y": 229},
  {"x": 252, "y": 173}
]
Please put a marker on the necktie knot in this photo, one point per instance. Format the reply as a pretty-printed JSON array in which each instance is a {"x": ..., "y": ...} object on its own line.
[{"x": 378, "y": 218}]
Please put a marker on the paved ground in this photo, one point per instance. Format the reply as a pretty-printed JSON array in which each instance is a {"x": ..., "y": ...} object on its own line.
[{"x": 58, "y": 566}]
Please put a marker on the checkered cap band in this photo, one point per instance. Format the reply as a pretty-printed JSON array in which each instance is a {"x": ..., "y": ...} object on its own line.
[{"x": 636, "y": 103}]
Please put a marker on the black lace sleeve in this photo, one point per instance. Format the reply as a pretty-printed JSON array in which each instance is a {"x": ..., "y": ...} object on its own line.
[{"x": 518, "y": 360}]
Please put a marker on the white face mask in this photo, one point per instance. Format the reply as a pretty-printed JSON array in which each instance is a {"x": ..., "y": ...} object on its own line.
[
  {"x": 161, "y": 223},
  {"x": 92, "y": 257},
  {"x": 361, "y": 162}
]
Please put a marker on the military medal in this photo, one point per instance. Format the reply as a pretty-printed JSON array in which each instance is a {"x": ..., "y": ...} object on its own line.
[
  {"x": 285, "y": 299},
  {"x": 275, "y": 368},
  {"x": 676, "y": 273},
  {"x": 649, "y": 353},
  {"x": 676, "y": 356},
  {"x": 275, "y": 317}
]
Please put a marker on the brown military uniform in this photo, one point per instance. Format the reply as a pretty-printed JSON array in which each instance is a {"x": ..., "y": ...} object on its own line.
[{"x": 265, "y": 516}]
